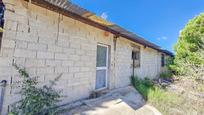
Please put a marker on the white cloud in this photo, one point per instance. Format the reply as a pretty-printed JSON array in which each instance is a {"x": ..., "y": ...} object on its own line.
[
  {"x": 162, "y": 38},
  {"x": 104, "y": 15}
]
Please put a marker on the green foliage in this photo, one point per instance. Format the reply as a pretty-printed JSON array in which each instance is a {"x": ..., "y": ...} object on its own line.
[
  {"x": 35, "y": 100},
  {"x": 143, "y": 86},
  {"x": 166, "y": 75},
  {"x": 1, "y": 29},
  {"x": 169, "y": 61},
  {"x": 156, "y": 96},
  {"x": 189, "y": 49},
  {"x": 149, "y": 90}
]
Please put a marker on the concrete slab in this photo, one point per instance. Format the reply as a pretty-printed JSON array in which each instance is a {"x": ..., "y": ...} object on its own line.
[{"x": 123, "y": 101}]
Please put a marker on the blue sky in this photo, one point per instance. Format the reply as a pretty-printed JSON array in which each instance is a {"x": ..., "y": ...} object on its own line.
[{"x": 158, "y": 21}]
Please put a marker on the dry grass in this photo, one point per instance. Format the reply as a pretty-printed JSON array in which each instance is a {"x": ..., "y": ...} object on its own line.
[{"x": 181, "y": 98}]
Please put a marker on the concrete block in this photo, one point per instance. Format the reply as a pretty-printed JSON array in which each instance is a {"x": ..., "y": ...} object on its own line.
[
  {"x": 46, "y": 39},
  {"x": 74, "y": 57},
  {"x": 53, "y": 48},
  {"x": 34, "y": 63},
  {"x": 67, "y": 63},
  {"x": 78, "y": 63},
  {"x": 45, "y": 70},
  {"x": 80, "y": 52},
  {"x": 6, "y": 43},
  {"x": 10, "y": 25},
  {"x": 61, "y": 70},
  {"x": 9, "y": 34},
  {"x": 26, "y": 37},
  {"x": 61, "y": 56},
  {"x": 21, "y": 44},
  {"x": 21, "y": 26},
  {"x": 45, "y": 55},
  {"x": 19, "y": 61},
  {"x": 6, "y": 71},
  {"x": 54, "y": 63},
  {"x": 85, "y": 69},
  {"x": 67, "y": 76},
  {"x": 63, "y": 42},
  {"x": 37, "y": 47},
  {"x": 7, "y": 52},
  {"x": 24, "y": 53},
  {"x": 5, "y": 61},
  {"x": 75, "y": 45},
  {"x": 74, "y": 69},
  {"x": 69, "y": 51}
]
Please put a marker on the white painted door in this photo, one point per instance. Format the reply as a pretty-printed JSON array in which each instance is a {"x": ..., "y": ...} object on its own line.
[{"x": 101, "y": 66}]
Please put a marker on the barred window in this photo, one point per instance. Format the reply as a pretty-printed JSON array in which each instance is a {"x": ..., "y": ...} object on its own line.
[
  {"x": 136, "y": 57},
  {"x": 162, "y": 60}
]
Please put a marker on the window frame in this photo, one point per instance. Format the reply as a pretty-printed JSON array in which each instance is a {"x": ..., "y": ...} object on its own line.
[
  {"x": 136, "y": 56},
  {"x": 163, "y": 62}
]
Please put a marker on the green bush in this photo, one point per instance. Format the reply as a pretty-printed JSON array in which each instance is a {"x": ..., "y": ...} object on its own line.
[
  {"x": 143, "y": 86},
  {"x": 189, "y": 58},
  {"x": 148, "y": 89},
  {"x": 166, "y": 75},
  {"x": 35, "y": 101}
]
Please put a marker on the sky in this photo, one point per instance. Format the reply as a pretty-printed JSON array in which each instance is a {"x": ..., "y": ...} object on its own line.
[{"x": 158, "y": 21}]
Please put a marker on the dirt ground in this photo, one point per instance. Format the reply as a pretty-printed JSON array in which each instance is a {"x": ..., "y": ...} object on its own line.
[{"x": 192, "y": 94}]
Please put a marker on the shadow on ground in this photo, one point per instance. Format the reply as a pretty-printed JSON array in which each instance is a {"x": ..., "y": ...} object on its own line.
[{"x": 123, "y": 101}]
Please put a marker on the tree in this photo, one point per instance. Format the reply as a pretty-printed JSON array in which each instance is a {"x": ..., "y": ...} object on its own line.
[{"x": 189, "y": 58}]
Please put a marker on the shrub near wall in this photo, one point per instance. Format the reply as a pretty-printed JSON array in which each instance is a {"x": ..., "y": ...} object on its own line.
[
  {"x": 35, "y": 101},
  {"x": 156, "y": 96}
]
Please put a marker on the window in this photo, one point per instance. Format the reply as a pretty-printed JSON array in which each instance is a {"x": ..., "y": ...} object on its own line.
[
  {"x": 162, "y": 60},
  {"x": 2, "y": 9},
  {"x": 136, "y": 57}
]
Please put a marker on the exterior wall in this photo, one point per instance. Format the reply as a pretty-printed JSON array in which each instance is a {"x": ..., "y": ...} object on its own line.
[
  {"x": 150, "y": 62},
  {"x": 123, "y": 62},
  {"x": 47, "y": 44}
]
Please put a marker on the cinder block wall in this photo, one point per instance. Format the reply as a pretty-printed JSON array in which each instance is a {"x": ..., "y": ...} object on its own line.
[
  {"x": 150, "y": 62},
  {"x": 47, "y": 44}
]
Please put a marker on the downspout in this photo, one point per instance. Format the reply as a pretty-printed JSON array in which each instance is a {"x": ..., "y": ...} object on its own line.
[
  {"x": 133, "y": 68},
  {"x": 115, "y": 48},
  {"x": 2, "y": 92},
  {"x": 133, "y": 62}
]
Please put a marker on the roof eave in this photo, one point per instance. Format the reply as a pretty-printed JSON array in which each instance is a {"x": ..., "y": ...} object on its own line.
[{"x": 48, "y": 5}]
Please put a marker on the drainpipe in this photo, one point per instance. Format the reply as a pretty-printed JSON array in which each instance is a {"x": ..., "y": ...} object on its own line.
[
  {"x": 115, "y": 48},
  {"x": 133, "y": 62},
  {"x": 133, "y": 68},
  {"x": 2, "y": 92}
]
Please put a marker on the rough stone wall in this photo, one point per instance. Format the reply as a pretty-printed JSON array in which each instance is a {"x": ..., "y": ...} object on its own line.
[{"x": 47, "y": 44}]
